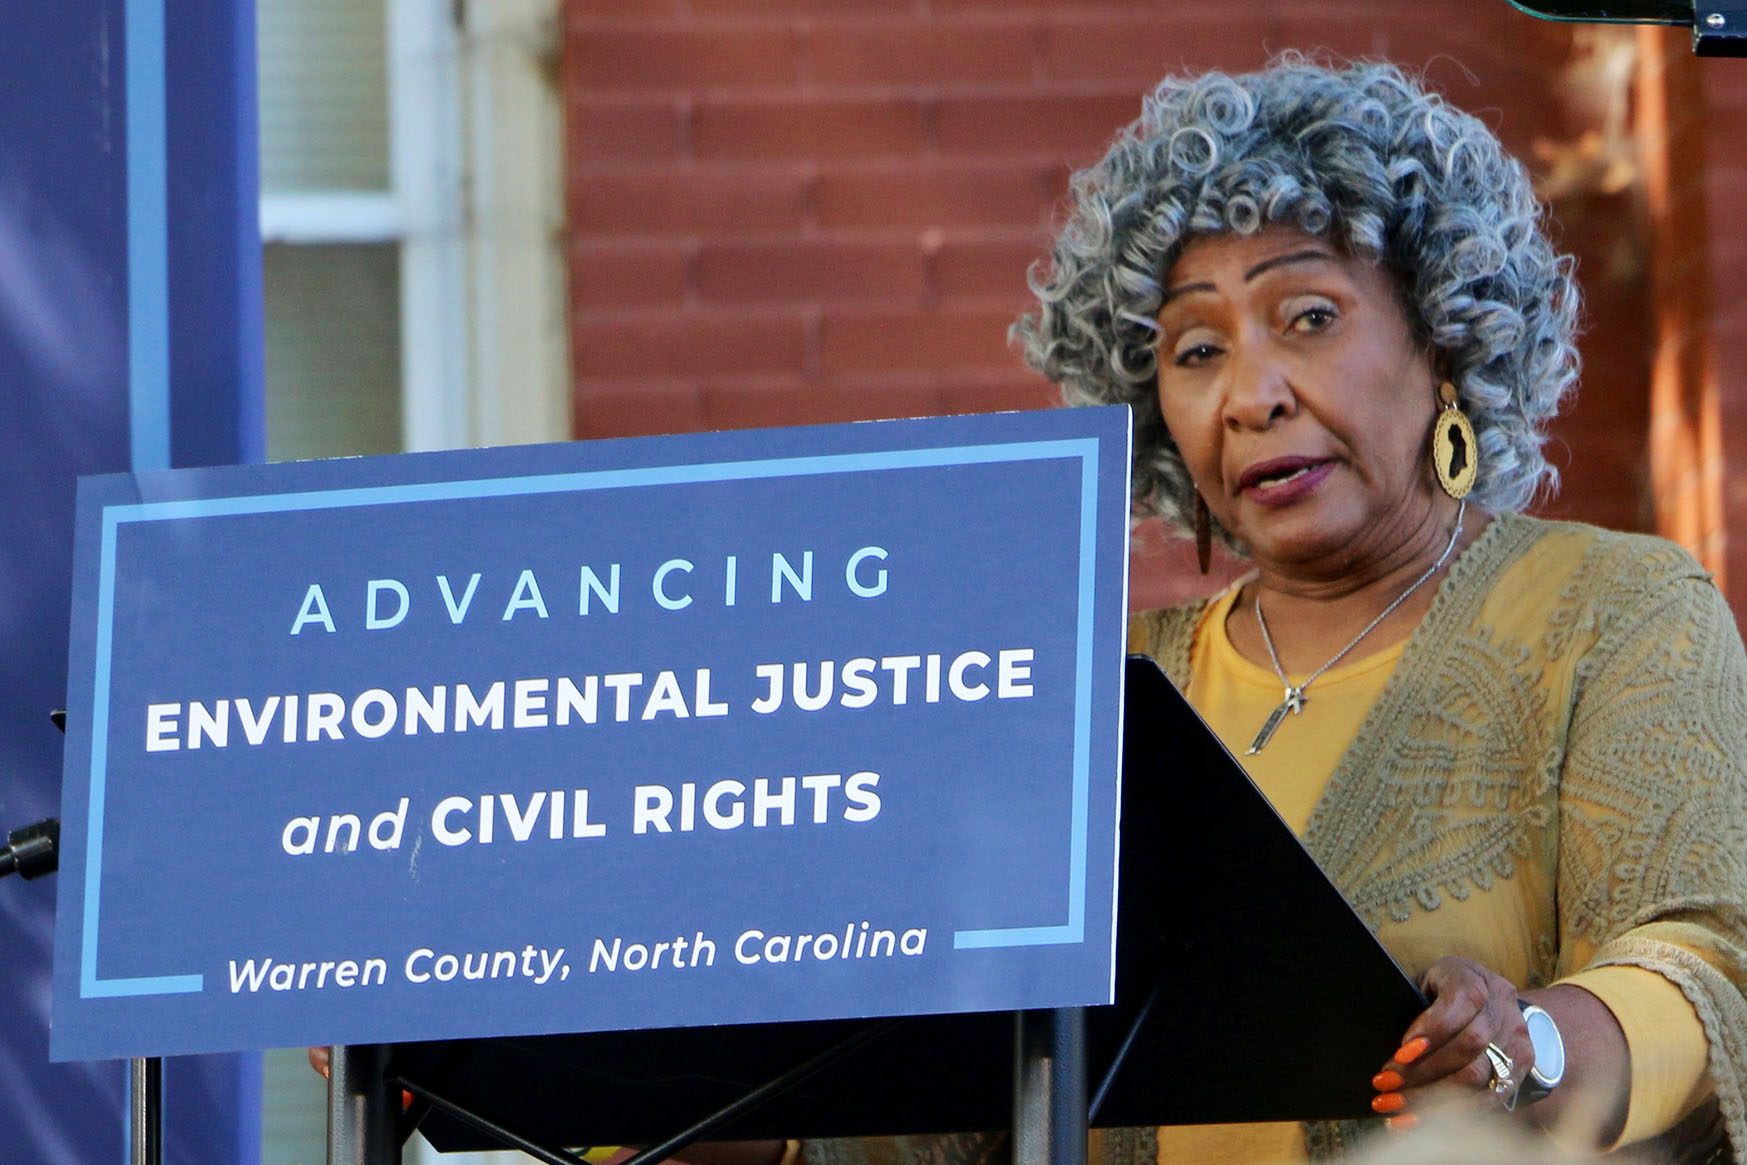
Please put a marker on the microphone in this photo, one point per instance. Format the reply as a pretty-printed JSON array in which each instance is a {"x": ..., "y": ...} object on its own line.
[{"x": 32, "y": 851}]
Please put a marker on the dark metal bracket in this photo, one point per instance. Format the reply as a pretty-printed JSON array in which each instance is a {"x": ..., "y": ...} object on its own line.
[{"x": 1719, "y": 28}]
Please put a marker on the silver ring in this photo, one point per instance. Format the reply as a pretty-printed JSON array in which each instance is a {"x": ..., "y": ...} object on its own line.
[{"x": 1503, "y": 1083}]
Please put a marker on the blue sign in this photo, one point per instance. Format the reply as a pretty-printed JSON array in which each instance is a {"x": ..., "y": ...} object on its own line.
[{"x": 724, "y": 728}]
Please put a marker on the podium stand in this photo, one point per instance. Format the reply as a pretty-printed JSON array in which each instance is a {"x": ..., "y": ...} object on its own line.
[{"x": 1229, "y": 938}]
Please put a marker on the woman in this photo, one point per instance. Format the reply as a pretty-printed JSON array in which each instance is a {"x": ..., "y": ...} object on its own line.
[{"x": 1519, "y": 747}]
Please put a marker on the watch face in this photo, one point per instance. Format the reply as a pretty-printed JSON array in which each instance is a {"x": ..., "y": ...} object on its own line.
[{"x": 1549, "y": 1048}]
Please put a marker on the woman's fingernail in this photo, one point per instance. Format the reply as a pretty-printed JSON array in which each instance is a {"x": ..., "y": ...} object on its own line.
[
  {"x": 1387, "y": 1081},
  {"x": 1412, "y": 1050},
  {"x": 1403, "y": 1122},
  {"x": 1388, "y": 1102}
]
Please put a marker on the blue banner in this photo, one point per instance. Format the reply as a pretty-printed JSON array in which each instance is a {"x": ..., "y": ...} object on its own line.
[
  {"x": 722, "y": 728},
  {"x": 107, "y": 300}
]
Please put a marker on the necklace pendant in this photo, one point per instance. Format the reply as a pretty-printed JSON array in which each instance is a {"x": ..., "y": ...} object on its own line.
[
  {"x": 1267, "y": 732},
  {"x": 1293, "y": 703}
]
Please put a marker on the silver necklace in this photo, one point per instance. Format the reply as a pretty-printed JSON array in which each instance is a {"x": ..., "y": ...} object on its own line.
[{"x": 1294, "y": 699}]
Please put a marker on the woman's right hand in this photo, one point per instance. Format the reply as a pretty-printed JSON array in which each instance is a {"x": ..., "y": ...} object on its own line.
[{"x": 1445, "y": 1047}]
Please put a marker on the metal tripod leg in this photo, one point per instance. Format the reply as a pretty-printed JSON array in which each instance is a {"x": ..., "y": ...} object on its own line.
[
  {"x": 1049, "y": 1088},
  {"x": 363, "y": 1108},
  {"x": 146, "y": 1111}
]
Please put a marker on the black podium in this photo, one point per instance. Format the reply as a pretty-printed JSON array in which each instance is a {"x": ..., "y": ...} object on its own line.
[{"x": 1230, "y": 939}]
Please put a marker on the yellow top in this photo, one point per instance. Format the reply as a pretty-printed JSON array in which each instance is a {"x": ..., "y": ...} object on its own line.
[
  {"x": 1235, "y": 696},
  {"x": 1567, "y": 725}
]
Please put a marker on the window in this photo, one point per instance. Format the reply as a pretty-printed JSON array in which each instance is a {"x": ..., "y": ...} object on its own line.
[{"x": 413, "y": 267}]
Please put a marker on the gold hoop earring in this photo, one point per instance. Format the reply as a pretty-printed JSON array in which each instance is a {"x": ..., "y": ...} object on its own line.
[
  {"x": 1203, "y": 533},
  {"x": 1455, "y": 451}
]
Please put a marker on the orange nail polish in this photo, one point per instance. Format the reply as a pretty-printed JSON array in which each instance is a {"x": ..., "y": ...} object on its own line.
[
  {"x": 1403, "y": 1122},
  {"x": 1387, "y": 1081},
  {"x": 1412, "y": 1050},
  {"x": 1388, "y": 1102}
]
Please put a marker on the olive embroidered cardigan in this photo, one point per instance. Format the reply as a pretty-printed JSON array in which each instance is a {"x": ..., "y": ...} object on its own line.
[{"x": 1594, "y": 744}]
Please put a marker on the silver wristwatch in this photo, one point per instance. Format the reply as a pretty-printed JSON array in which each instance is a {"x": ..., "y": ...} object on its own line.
[{"x": 1549, "y": 1066}]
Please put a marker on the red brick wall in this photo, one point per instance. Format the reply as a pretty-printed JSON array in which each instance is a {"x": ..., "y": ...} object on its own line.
[
  {"x": 1692, "y": 122},
  {"x": 1724, "y": 177},
  {"x": 1684, "y": 436},
  {"x": 791, "y": 211}
]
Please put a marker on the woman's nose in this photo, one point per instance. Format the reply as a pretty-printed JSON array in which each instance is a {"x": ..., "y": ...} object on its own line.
[{"x": 1258, "y": 392}]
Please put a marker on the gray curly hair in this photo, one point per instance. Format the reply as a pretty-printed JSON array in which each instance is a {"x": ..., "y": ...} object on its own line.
[{"x": 1360, "y": 154}]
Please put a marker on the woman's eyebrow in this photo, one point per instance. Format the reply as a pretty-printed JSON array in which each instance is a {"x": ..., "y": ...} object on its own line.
[
  {"x": 1266, "y": 265},
  {"x": 1184, "y": 289},
  {"x": 1304, "y": 256}
]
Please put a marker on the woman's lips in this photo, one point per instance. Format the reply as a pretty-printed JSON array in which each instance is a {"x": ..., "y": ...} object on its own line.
[{"x": 1283, "y": 480}]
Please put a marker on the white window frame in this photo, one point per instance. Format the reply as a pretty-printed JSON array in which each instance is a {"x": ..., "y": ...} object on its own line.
[{"x": 476, "y": 208}]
